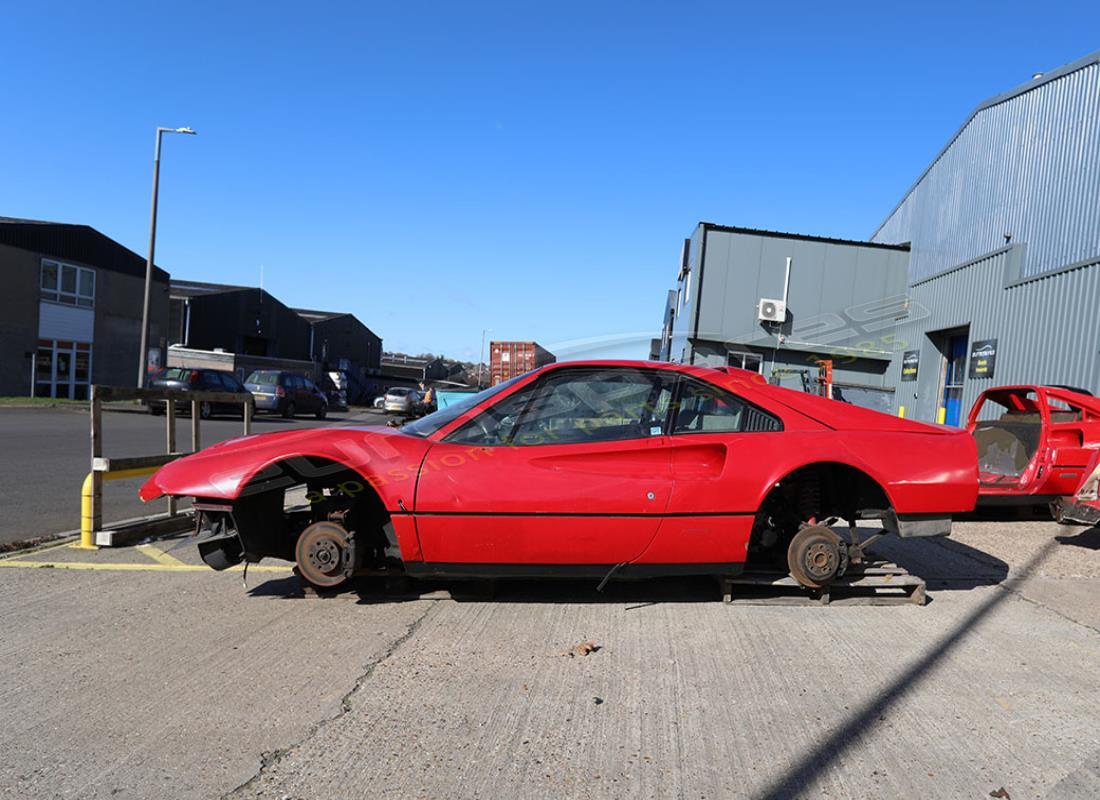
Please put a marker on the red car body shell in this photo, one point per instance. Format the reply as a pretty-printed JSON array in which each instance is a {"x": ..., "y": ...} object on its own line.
[
  {"x": 666, "y": 499},
  {"x": 1066, "y": 442}
]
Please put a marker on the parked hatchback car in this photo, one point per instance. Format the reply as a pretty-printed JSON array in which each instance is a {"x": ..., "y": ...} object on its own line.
[
  {"x": 203, "y": 380},
  {"x": 401, "y": 400},
  {"x": 286, "y": 393}
]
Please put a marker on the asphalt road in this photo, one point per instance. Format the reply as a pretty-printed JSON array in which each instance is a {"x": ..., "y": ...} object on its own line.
[
  {"x": 45, "y": 454},
  {"x": 151, "y": 680}
]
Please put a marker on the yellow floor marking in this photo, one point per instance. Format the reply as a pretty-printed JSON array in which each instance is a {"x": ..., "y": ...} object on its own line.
[
  {"x": 43, "y": 549},
  {"x": 158, "y": 555},
  {"x": 180, "y": 567}
]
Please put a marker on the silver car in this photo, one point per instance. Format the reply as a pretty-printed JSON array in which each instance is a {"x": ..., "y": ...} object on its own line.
[{"x": 401, "y": 400}]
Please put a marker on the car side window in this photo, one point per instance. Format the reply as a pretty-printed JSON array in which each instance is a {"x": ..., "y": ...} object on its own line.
[
  {"x": 703, "y": 408},
  {"x": 602, "y": 405},
  {"x": 495, "y": 425}
]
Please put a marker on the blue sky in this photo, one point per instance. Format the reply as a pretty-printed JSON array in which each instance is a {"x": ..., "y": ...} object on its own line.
[{"x": 438, "y": 169}]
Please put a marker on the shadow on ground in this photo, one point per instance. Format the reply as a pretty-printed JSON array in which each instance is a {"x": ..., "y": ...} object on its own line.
[
  {"x": 1088, "y": 539},
  {"x": 945, "y": 565},
  {"x": 862, "y": 722}
]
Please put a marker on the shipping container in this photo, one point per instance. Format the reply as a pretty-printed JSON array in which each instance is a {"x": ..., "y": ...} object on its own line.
[{"x": 508, "y": 359}]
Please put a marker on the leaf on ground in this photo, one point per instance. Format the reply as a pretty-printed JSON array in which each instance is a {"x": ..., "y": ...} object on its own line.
[{"x": 582, "y": 649}]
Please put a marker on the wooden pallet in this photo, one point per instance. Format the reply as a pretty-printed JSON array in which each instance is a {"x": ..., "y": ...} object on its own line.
[{"x": 872, "y": 583}]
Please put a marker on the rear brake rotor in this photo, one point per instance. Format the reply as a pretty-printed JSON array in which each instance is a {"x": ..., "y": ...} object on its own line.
[{"x": 816, "y": 556}]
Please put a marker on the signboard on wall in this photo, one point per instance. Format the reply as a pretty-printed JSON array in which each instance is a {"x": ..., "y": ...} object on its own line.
[
  {"x": 910, "y": 360},
  {"x": 983, "y": 357}
]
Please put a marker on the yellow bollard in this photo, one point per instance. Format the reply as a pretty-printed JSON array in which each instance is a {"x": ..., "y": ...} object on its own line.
[
  {"x": 87, "y": 535},
  {"x": 901, "y": 411},
  {"x": 941, "y": 416}
]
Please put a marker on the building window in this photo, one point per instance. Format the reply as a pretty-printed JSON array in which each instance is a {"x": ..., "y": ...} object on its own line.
[
  {"x": 750, "y": 361},
  {"x": 68, "y": 284}
]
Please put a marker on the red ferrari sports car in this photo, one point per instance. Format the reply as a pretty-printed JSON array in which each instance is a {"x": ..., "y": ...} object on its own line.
[
  {"x": 1035, "y": 443},
  {"x": 595, "y": 468}
]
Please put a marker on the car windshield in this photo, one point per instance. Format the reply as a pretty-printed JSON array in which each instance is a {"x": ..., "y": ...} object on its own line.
[
  {"x": 263, "y": 377},
  {"x": 426, "y": 426},
  {"x": 397, "y": 392}
]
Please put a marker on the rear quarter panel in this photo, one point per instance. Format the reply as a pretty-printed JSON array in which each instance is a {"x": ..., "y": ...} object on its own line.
[{"x": 732, "y": 474}]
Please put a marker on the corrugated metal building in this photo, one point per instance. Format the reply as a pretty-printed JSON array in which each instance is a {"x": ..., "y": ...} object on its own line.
[
  {"x": 1001, "y": 281},
  {"x": 1004, "y": 231}
]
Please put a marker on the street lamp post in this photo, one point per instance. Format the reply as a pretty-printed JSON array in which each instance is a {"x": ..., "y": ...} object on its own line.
[
  {"x": 481, "y": 362},
  {"x": 144, "y": 354}
]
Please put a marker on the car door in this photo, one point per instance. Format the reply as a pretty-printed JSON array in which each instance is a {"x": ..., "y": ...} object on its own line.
[
  {"x": 310, "y": 395},
  {"x": 567, "y": 470},
  {"x": 717, "y": 444},
  {"x": 1067, "y": 436},
  {"x": 302, "y": 399}
]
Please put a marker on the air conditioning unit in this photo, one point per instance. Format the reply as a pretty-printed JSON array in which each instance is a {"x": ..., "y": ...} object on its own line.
[{"x": 771, "y": 310}]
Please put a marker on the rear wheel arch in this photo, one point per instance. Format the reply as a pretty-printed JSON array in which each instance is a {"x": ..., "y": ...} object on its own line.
[
  {"x": 815, "y": 492},
  {"x": 847, "y": 482}
]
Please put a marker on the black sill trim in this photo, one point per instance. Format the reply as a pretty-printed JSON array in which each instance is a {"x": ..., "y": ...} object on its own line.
[
  {"x": 461, "y": 570},
  {"x": 569, "y": 515}
]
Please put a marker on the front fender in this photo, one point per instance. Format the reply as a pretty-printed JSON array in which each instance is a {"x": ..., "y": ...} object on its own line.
[{"x": 385, "y": 458}]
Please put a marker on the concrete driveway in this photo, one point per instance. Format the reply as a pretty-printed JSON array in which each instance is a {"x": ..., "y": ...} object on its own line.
[{"x": 166, "y": 682}]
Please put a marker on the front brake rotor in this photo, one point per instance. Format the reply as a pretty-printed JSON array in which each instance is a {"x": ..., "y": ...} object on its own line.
[{"x": 321, "y": 554}]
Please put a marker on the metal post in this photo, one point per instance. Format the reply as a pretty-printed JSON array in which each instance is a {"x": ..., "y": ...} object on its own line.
[
  {"x": 143, "y": 355},
  {"x": 170, "y": 417},
  {"x": 91, "y": 504},
  {"x": 481, "y": 357},
  {"x": 195, "y": 426},
  {"x": 247, "y": 417}
]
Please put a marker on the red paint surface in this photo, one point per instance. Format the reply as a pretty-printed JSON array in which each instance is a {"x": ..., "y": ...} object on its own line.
[{"x": 1066, "y": 448}]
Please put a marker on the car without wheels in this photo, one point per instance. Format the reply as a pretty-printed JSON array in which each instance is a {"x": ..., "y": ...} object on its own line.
[
  {"x": 1035, "y": 443},
  {"x": 600, "y": 469}
]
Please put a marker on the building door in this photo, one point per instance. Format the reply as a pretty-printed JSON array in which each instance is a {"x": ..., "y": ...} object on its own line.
[
  {"x": 955, "y": 349},
  {"x": 62, "y": 369}
]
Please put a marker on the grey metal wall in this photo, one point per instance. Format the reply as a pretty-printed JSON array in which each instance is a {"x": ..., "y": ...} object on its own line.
[
  {"x": 1027, "y": 163},
  {"x": 1047, "y": 327},
  {"x": 827, "y": 279}
]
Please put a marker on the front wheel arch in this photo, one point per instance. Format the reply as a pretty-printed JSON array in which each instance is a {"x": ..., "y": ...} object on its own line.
[{"x": 267, "y": 527}]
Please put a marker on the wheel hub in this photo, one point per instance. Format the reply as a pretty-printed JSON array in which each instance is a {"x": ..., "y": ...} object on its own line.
[
  {"x": 325, "y": 555},
  {"x": 820, "y": 560}
]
